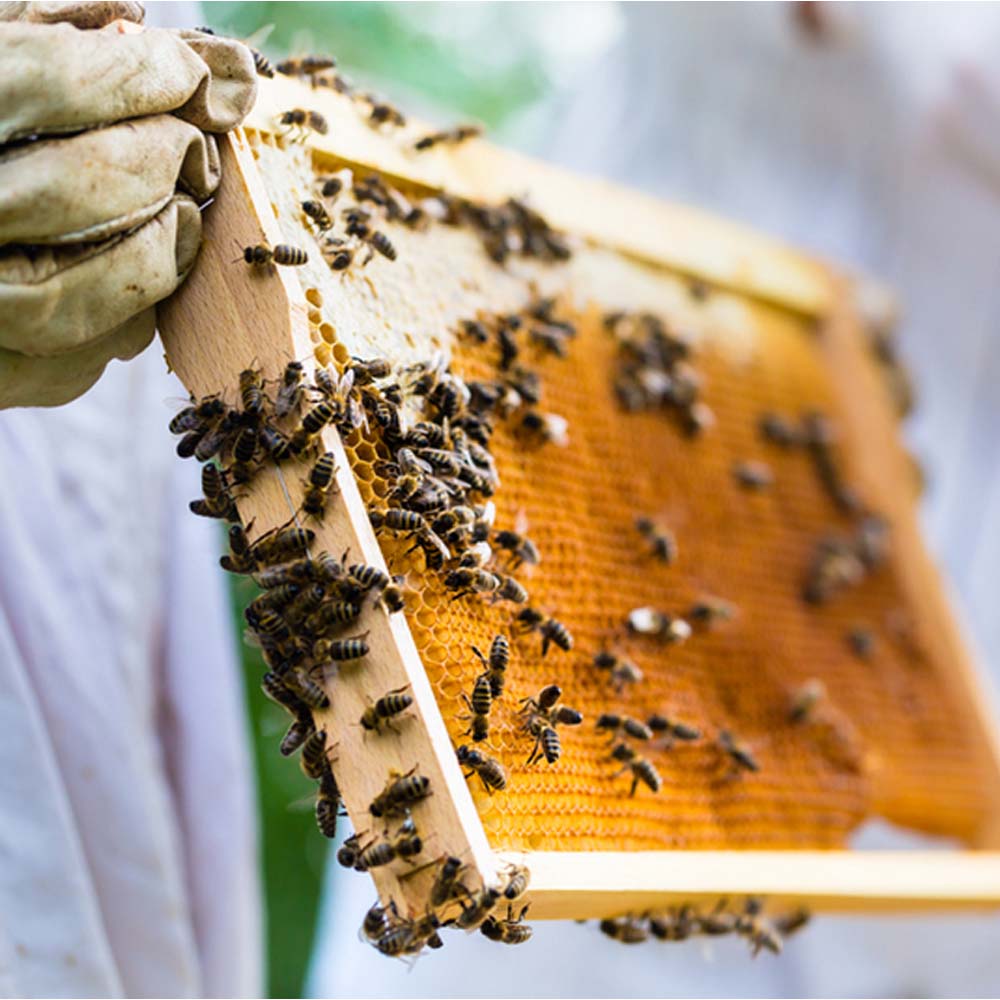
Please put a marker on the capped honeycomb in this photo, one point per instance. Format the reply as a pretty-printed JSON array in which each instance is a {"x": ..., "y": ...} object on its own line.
[{"x": 884, "y": 741}]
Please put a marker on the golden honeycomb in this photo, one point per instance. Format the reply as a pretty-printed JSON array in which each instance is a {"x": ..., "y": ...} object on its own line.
[{"x": 885, "y": 741}]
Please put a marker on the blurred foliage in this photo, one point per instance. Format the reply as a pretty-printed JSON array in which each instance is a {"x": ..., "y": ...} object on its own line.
[
  {"x": 441, "y": 54},
  {"x": 292, "y": 849}
]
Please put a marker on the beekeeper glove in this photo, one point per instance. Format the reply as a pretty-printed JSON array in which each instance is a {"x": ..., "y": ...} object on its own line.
[{"x": 105, "y": 155}]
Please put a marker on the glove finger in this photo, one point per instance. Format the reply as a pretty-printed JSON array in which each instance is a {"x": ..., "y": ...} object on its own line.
[
  {"x": 84, "y": 15},
  {"x": 57, "y": 79},
  {"x": 28, "y": 381},
  {"x": 58, "y": 299},
  {"x": 87, "y": 187}
]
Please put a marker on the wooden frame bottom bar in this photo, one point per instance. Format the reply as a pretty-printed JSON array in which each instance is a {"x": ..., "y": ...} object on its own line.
[{"x": 569, "y": 885}]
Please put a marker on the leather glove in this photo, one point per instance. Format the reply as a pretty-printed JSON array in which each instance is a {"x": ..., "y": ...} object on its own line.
[{"x": 106, "y": 154}]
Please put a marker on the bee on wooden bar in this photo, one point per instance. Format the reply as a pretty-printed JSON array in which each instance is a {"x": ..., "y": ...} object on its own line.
[
  {"x": 509, "y": 931},
  {"x": 298, "y": 732},
  {"x": 392, "y": 597},
  {"x": 614, "y": 724},
  {"x": 623, "y": 671},
  {"x": 718, "y": 921},
  {"x": 313, "y": 422},
  {"x": 390, "y": 705},
  {"x": 262, "y": 255},
  {"x": 446, "y": 885},
  {"x": 241, "y": 558},
  {"x": 757, "y": 929},
  {"x": 218, "y": 501},
  {"x": 332, "y": 615},
  {"x": 400, "y": 792},
  {"x": 199, "y": 416},
  {"x": 347, "y": 855},
  {"x": 302, "y": 121},
  {"x": 308, "y": 690},
  {"x": 672, "y": 730},
  {"x": 313, "y": 760},
  {"x": 495, "y": 666},
  {"x": 327, "y": 804},
  {"x": 642, "y": 769},
  {"x": 452, "y": 137},
  {"x": 291, "y": 391},
  {"x": 626, "y": 930},
  {"x": 379, "y": 919},
  {"x": 677, "y": 925},
  {"x": 282, "y": 545},
  {"x": 738, "y": 753},
  {"x": 662, "y": 542},
  {"x": 369, "y": 579},
  {"x": 789, "y": 923},
  {"x": 753, "y": 475},
  {"x": 341, "y": 650},
  {"x": 316, "y": 211},
  {"x": 214, "y": 440},
  {"x": 804, "y": 701},
  {"x": 319, "y": 485},
  {"x": 405, "y": 845},
  {"x": 477, "y": 908},
  {"x": 244, "y": 450},
  {"x": 489, "y": 769},
  {"x": 262, "y": 64},
  {"x": 278, "y": 692}
]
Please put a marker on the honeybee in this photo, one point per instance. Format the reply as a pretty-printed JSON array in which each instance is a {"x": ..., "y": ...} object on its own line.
[
  {"x": 452, "y": 136},
  {"x": 331, "y": 186},
  {"x": 369, "y": 579},
  {"x": 446, "y": 885},
  {"x": 298, "y": 732},
  {"x": 717, "y": 922},
  {"x": 760, "y": 933},
  {"x": 349, "y": 851},
  {"x": 305, "y": 65},
  {"x": 199, "y": 416},
  {"x": 555, "y": 633},
  {"x": 383, "y": 113},
  {"x": 327, "y": 804},
  {"x": 489, "y": 769},
  {"x": 677, "y": 925},
  {"x": 547, "y": 741},
  {"x": 392, "y": 597},
  {"x": 642, "y": 769},
  {"x": 262, "y": 255},
  {"x": 378, "y": 920},
  {"x": 391, "y": 704},
  {"x": 626, "y": 930},
  {"x": 623, "y": 671},
  {"x": 303, "y": 120},
  {"x": 804, "y": 701},
  {"x": 495, "y": 666},
  {"x": 471, "y": 581},
  {"x": 405, "y": 844},
  {"x": 399, "y": 793},
  {"x": 215, "y": 439},
  {"x": 780, "y": 431},
  {"x": 340, "y": 650},
  {"x": 661, "y": 541},
  {"x": 241, "y": 558},
  {"x": 650, "y": 621},
  {"x": 547, "y": 428},
  {"x": 262, "y": 64},
  {"x": 614, "y": 724},
  {"x": 276, "y": 689},
  {"x": 218, "y": 501},
  {"x": 244, "y": 450},
  {"x": 319, "y": 485},
  {"x": 282, "y": 545},
  {"x": 739, "y": 754},
  {"x": 314, "y": 420},
  {"x": 308, "y": 690},
  {"x": 861, "y": 641},
  {"x": 509, "y": 931},
  {"x": 291, "y": 390},
  {"x": 753, "y": 475},
  {"x": 789, "y": 923},
  {"x": 477, "y": 908},
  {"x": 672, "y": 730},
  {"x": 511, "y": 590},
  {"x": 277, "y": 446},
  {"x": 380, "y": 242},
  {"x": 836, "y": 565},
  {"x": 313, "y": 760},
  {"x": 710, "y": 610},
  {"x": 410, "y": 936}
]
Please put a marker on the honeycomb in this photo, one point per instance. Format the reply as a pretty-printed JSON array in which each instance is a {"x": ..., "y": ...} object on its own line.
[{"x": 885, "y": 741}]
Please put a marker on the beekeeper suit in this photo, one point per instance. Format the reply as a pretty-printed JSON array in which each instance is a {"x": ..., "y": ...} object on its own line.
[{"x": 127, "y": 850}]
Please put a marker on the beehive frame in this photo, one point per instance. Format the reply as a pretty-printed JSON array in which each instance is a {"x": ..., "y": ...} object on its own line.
[{"x": 227, "y": 317}]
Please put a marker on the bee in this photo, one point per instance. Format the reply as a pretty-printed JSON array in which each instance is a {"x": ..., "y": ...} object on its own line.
[
  {"x": 313, "y": 422},
  {"x": 331, "y": 187},
  {"x": 378, "y": 920},
  {"x": 787, "y": 924},
  {"x": 262, "y": 64},
  {"x": 308, "y": 690},
  {"x": 391, "y": 704},
  {"x": 471, "y": 581},
  {"x": 623, "y": 671},
  {"x": 367, "y": 371},
  {"x": 642, "y": 769},
  {"x": 739, "y": 754},
  {"x": 408, "y": 937},
  {"x": 547, "y": 741},
  {"x": 614, "y": 724},
  {"x": 244, "y": 450},
  {"x": 661, "y": 541},
  {"x": 283, "y": 254},
  {"x": 836, "y": 565},
  {"x": 283, "y": 575},
  {"x": 405, "y": 844},
  {"x": 213, "y": 441},
  {"x": 452, "y": 136},
  {"x": 276, "y": 689},
  {"x": 332, "y": 614},
  {"x": 718, "y": 921},
  {"x": 369, "y": 579},
  {"x": 753, "y": 475},
  {"x": 340, "y": 650},
  {"x": 276, "y": 444},
  {"x": 302, "y": 120},
  {"x": 383, "y": 113},
  {"x": 380, "y": 242},
  {"x": 350, "y": 850},
  {"x": 399, "y": 793},
  {"x": 626, "y": 930},
  {"x": 446, "y": 885},
  {"x": 479, "y": 707},
  {"x": 398, "y": 519},
  {"x": 517, "y": 883},
  {"x": 241, "y": 558},
  {"x": 327, "y": 804},
  {"x": 306, "y": 65},
  {"x": 672, "y": 730},
  {"x": 779, "y": 431},
  {"x": 291, "y": 390},
  {"x": 546, "y": 428},
  {"x": 710, "y": 610},
  {"x": 199, "y": 416},
  {"x": 680, "y": 924},
  {"x": 495, "y": 666},
  {"x": 511, "y": 590},
  {"x": 804, "y": 701},
  {"x": 313, "y": 760},
  {"x": 392, "y": 598},
  {"x": 489, "y": 769},
  {"x": 298, "y": 732},
  {"x": 820, "y": 436},
  {"x": 753, "y": 925},
  {"x": 478, "y": 908},
  {"x": 509, "y": 931},
  {"x": 861, "y": 641},
  {"x": 218, "y": 501},
  {"x": 555, "y": 633},
  {"x": 650, "y": 621},
  {"x": 252, "y": 392},
  {"x": 319, "y": 485},
  {"x": 282, "y": 545},
  {"x": 340, "y": 258},
  {"x": 522, "y": 549},
  {"x": 316, "y": 211},
  {"x": 697, "y": 418}
]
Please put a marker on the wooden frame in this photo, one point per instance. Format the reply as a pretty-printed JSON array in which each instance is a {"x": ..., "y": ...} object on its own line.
[{"x": 226, "y": 318}]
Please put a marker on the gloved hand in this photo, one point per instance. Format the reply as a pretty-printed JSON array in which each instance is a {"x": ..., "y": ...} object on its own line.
[{"x": 103, "y": 162}]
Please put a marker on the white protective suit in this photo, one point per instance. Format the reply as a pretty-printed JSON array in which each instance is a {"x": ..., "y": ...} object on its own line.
[{"x": 877, "y": 148}]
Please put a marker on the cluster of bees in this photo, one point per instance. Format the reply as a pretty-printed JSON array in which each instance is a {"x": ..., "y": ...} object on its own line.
[{"x": 684, "y": 922}]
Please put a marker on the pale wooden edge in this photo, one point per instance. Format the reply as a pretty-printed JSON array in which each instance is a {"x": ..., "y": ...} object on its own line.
[
  {"x": 668, "y": 234},
  {"x": 583, "y": 885},
  {"x": 222, "y": 319},
  {"x": 881, "y": 467}
]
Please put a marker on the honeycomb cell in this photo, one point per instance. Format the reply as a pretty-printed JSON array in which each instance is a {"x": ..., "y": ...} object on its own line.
[
  {"x": 315, "y": 317},
  {"x": 323, "y": 354},
  {"x": 314, "y": 297},
  {"x": 364, "y": 452},
  {"x": 327, "y": 332},
  {"x": 341, "y": 353}
]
